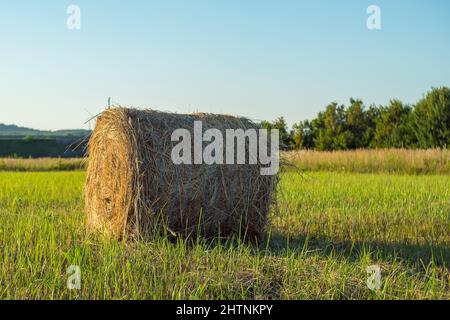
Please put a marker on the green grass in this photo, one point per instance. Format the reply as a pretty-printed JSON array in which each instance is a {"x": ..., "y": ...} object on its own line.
[{"x": 330, "y": 228}]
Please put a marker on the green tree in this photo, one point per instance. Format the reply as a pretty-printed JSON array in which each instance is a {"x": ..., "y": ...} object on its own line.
[
  {"x": 332, "y": 135},
  {"x": 359, "y": 125},
  {"x": 431, "y": 119},
  {"x": 286, "y": 141},
  {"x": 393, "y": 129},
  {"x": 373, "y": 114},
  {"x": 303, "y": 135},
  {"x": 394, "y": 126}
]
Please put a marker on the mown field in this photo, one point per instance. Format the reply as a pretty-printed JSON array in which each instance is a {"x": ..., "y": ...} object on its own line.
[
  {"x": 433, "y": 161},
  {"x": 328, "y": 228}
]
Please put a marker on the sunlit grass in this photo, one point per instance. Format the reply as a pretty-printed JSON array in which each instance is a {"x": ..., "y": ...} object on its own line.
[
  {"x": 329, "y": 229},
  {"x": 374, "y": 161},
  {"x": 359, "y": 161},
  {"x": 42, "y": 164}
]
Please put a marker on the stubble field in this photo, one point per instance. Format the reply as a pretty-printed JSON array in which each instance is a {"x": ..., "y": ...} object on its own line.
[{"x": 329, "y": 227}]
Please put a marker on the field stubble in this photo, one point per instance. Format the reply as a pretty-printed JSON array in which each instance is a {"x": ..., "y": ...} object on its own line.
[{"x": 329, "y": 228}]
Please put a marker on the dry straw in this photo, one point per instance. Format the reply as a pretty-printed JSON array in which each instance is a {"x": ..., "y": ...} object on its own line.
[{"x": 133, "y": 189}]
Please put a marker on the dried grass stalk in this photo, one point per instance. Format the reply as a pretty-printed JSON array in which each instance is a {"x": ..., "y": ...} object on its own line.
[{"x": 133, "y": 189}]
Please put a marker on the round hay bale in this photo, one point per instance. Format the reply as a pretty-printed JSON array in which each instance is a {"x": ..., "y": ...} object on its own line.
[{"x": 133, "y": 188}]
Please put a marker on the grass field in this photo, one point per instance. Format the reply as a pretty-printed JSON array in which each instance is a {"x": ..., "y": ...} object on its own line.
[
  {"x": 433, "y": 161},
  {"x": 42, "y": 164},
  {"x": 329, "y": 228}
]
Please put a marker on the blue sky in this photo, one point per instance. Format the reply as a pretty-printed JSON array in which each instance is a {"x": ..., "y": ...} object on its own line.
[{"x": 259, "y": 59}]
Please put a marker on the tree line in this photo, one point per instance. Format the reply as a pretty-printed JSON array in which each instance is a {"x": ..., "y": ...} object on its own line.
[{"x": 396, "y": 125}]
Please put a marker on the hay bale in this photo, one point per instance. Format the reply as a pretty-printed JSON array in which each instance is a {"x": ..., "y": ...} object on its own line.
[{"x": 134, "y": 189}]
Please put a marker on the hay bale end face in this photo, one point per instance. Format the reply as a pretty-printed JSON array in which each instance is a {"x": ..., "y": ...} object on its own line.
[{"x": 133, "y": 188}]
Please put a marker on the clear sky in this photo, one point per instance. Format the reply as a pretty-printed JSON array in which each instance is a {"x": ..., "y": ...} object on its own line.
[{"x": 255, "y": 58}]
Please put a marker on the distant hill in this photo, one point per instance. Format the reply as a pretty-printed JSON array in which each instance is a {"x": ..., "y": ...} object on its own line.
[
  {"x": 20, "y": 142},
  {"x": 13, "y": 130}
]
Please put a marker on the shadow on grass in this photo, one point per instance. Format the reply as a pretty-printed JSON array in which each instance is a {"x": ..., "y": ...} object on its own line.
[
  {"x": 278, "y": 244},
  {"x": 424, "y": 254}
]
